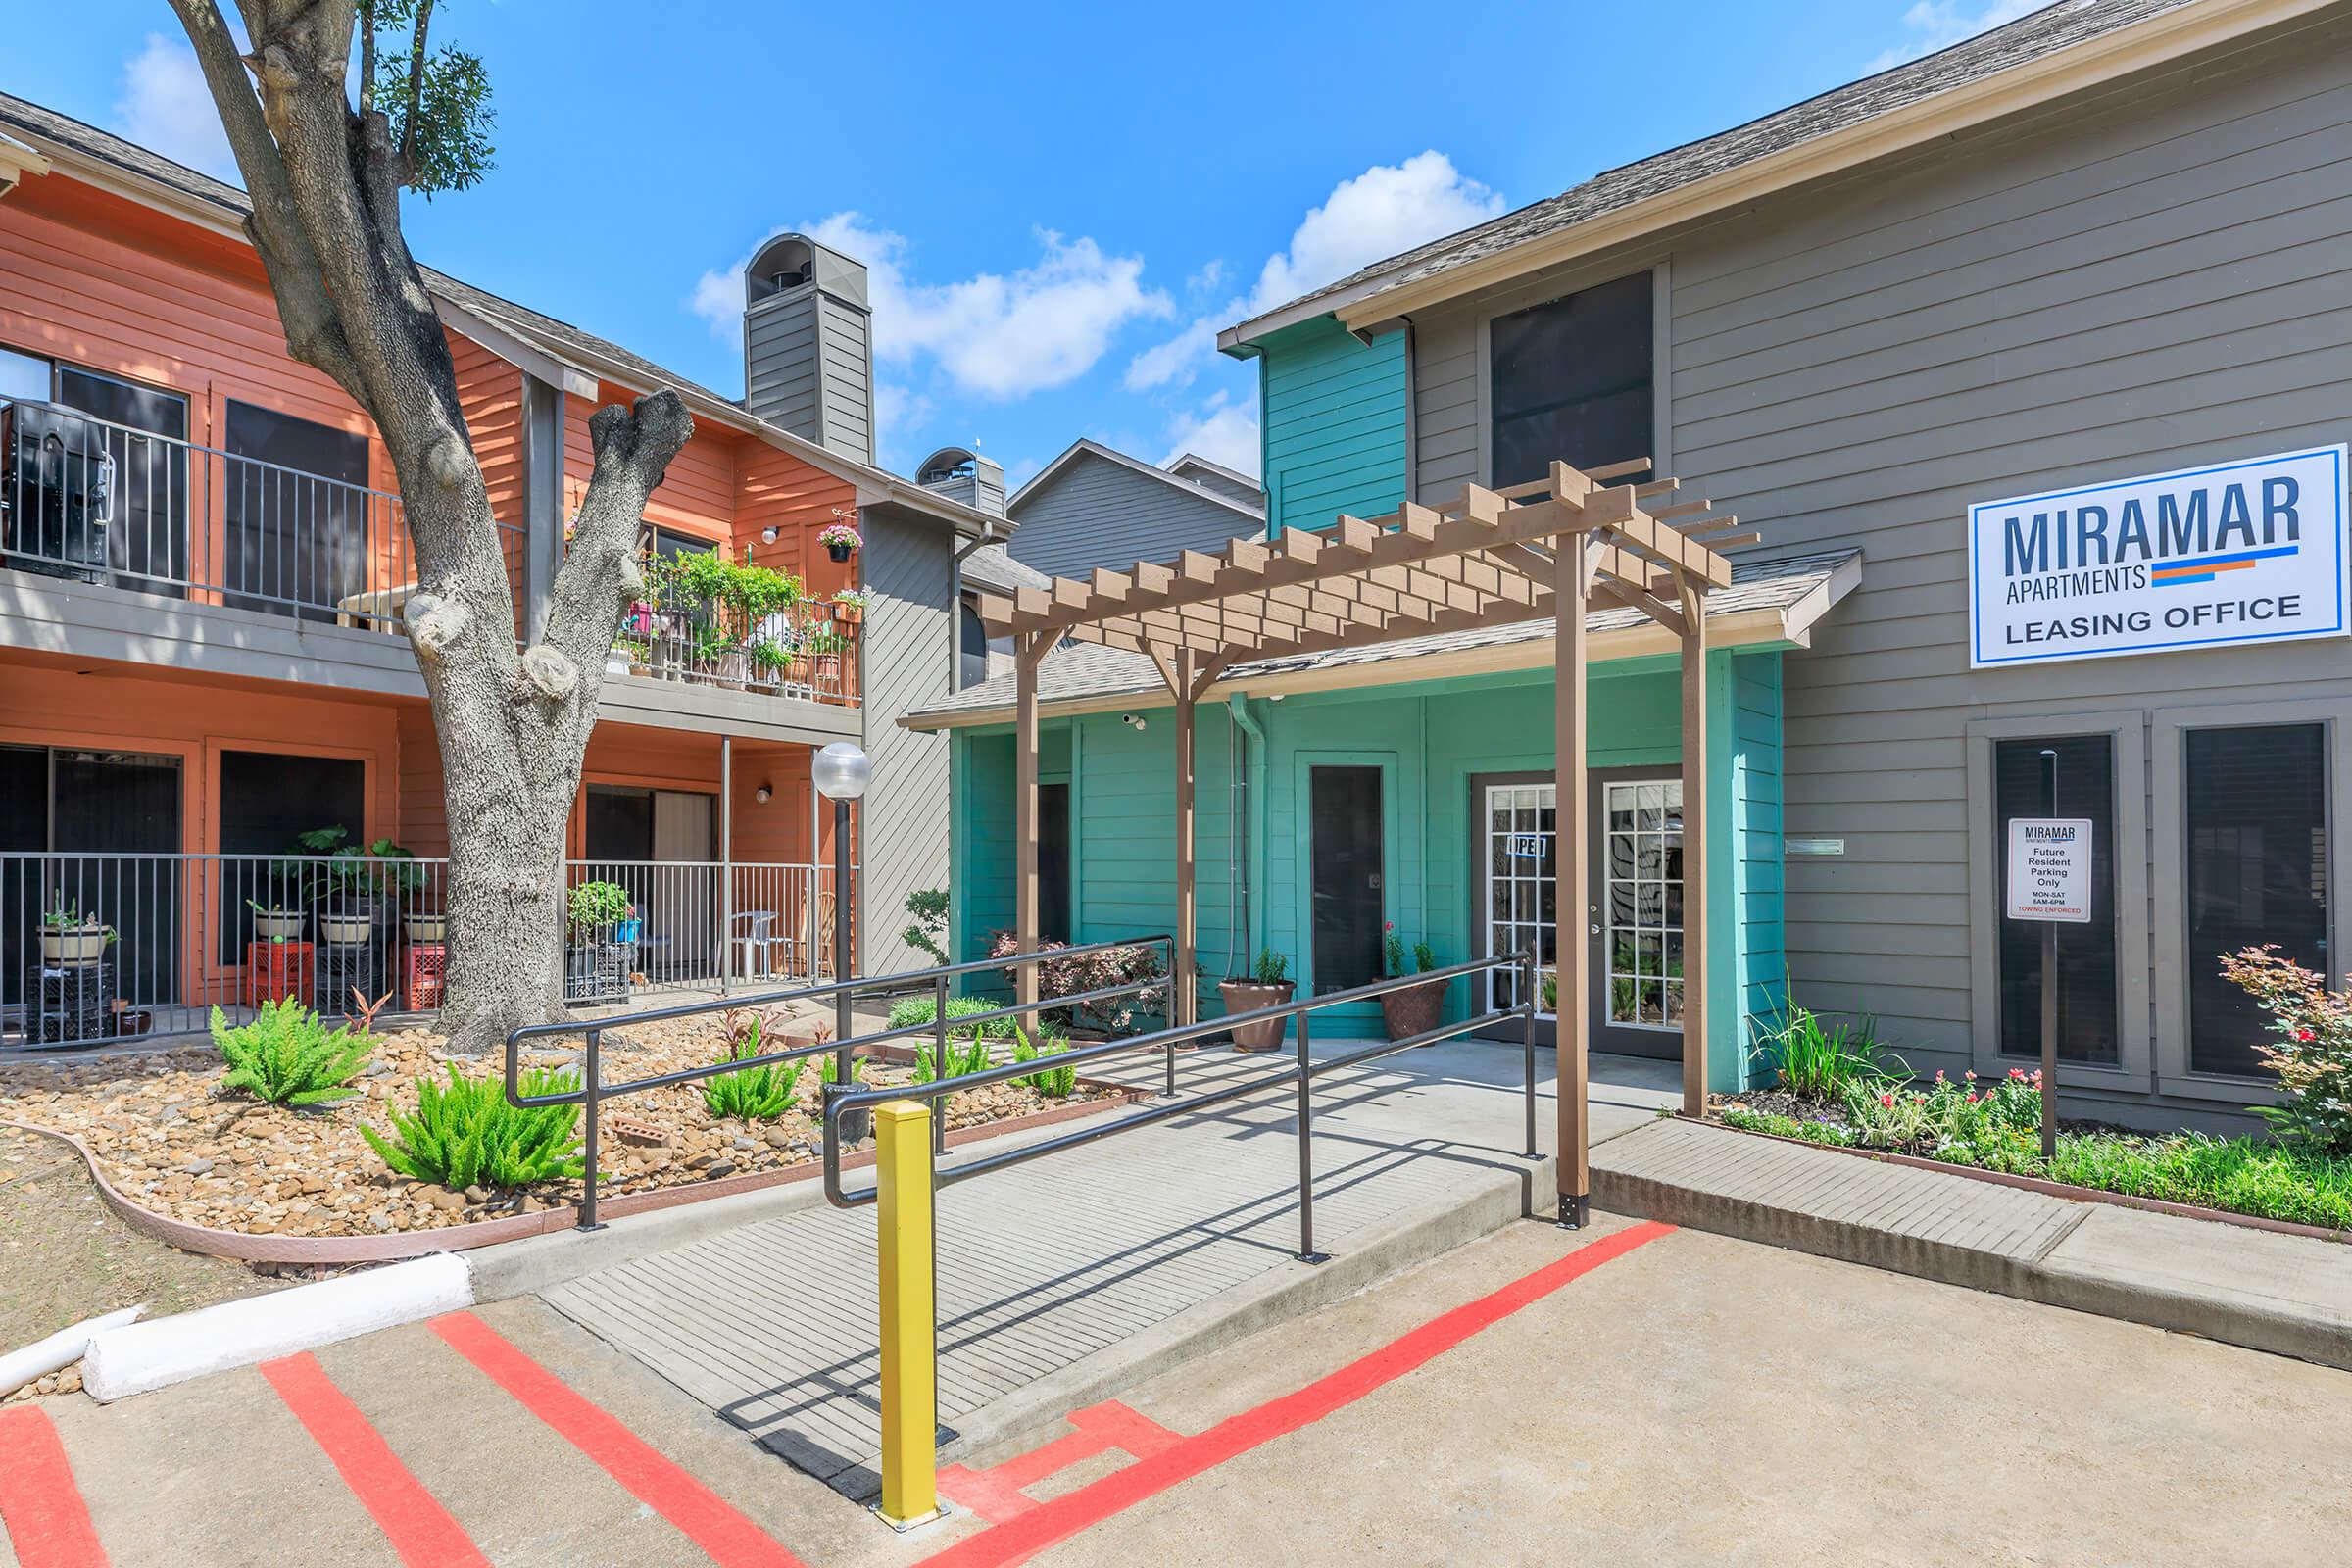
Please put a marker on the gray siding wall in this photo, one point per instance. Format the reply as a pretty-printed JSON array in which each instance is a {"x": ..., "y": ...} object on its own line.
[
  {"x": 904, "y": 840},
  {"x": 1102, "y": 513},
  {"x": 1249, "y": 495},
  {"x": 808, "y": 368},
  {"x": 2158, "y": 279}
]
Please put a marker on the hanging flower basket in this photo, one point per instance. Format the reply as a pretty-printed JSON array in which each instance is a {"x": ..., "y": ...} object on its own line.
[{"x": 841, "y": 541}]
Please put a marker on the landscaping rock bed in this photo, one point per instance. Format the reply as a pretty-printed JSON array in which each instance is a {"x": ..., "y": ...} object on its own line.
[{"x": 168, "y": 1139}]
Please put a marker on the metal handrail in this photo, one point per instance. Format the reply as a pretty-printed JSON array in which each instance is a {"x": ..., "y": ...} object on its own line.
[
  {"x": 593, "y": 1091},
  {"x": 1303, "y": 1072}
]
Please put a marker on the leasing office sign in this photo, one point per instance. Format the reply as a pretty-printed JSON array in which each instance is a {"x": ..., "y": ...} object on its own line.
[{"x": 2241, "y": 551}]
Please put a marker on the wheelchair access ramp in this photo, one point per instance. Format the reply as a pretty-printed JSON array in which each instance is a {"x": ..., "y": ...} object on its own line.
[{"x": 1070, "y": 1278}]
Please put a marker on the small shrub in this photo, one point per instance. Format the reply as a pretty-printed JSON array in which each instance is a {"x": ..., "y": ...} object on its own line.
[
  {"x": 287, "y": 1058},
  {"x": 1273, "y": 969},
  {"x": 754, "y": 1094},
  {"x": 827, "y": 1072},
  {"x": 923, "y": 1009},
  {"x": 2312, "y": 1054},
  {"x": 466, "y": 1134},
  {"x": 1054, "y": 1083},
  {"x": 929, "y": 932},
  {"x": 1093, "y": 971},
  {"x": 1815, "y": 1059}
]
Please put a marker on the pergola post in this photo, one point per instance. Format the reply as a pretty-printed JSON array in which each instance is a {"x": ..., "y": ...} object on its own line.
[
  {"x": 1572, "y": 953},
  {"x": 1028, "y": 652},
  {"x": 1694, "y": 848},
  {"x": 1183, "y": 993}
]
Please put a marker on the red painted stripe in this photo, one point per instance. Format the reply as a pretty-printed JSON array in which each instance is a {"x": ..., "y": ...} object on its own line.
[
  {"x": 1065, "y": 1516},
  {"x": 1121, "y": 1428},
  {"x": 419, "y": 1529},
  {"x": 996, "y": 1494},
  {"x": 730, "y": 1540},
  {"x": 48, "y": 1524}
]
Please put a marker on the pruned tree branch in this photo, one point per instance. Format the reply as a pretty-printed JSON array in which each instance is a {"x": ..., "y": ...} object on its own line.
[{"x": 634, "y": 448}]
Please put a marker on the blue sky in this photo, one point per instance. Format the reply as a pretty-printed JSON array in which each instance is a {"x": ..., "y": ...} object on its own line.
[{"x": 1061, "y": 203}]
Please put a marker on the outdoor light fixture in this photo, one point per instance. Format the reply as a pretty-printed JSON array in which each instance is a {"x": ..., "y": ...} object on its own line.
[
  {"x": 767, "y": 535},
  {"x": 763, "y": 795},
  {"x": 842, "y": 770},
  {"x": 1132, "y": 720}
]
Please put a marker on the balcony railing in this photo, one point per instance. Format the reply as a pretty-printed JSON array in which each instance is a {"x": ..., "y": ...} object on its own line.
[
  {"x": 91, "y": 501},
  {"x": 97, "y": 949},
  {"x": 808, "y": 650}
]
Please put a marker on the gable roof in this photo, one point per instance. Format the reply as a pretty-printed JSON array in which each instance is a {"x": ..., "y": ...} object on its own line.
[
  {"x": 992, "y": 567},
  {"x": 2043, "y": 54},
  {"x": 1085, "y": 447},
  {"x": 1194, "y": 459},
  {"x": 154, "y": 181},
  {"x": 1768, "y": 601}
]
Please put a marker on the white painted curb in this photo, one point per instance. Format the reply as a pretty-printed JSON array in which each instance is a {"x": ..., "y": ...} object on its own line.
[
  {"x": 59, "y": 1351},
  {"x": 137, "y": 1357}
]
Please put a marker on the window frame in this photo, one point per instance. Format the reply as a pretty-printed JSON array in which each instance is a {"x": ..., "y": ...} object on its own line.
[
  {"x": 2126, "y": 730},
  {"x": 2168, "y": 792},
  {"x": 1541, "y": 291}
]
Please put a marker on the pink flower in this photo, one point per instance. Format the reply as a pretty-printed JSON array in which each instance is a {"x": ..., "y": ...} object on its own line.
[
  {"x": 1972, "y": 1076},
  {"x": 1972, "y": 1096},
  {"x": 1939, "y": 1076}
]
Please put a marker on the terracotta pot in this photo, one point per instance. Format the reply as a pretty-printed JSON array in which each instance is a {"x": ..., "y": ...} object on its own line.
[
  {"x": 1247, "y": 995},
  {"x": 848, "y": 615},
  {"x": 1413, "y": 1009}
]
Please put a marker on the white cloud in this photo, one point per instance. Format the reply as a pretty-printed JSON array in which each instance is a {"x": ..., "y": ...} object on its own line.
[
  {"x": 999, "y": 336},
  {"x": 166, "y": 106},
  {"x": 1939, "y": 24},
  {"x": 1223, "y": 430},
  {"x": 1386, "y": 209}
]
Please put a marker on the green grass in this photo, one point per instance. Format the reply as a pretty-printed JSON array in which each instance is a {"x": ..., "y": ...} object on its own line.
[{"x": 2240, "y": 1175}]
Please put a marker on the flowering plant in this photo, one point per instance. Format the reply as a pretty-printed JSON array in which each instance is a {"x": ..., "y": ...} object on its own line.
[
  {"x": 839, "y": 533},
  {"x": 1099, "y": 970},
  {"x": 853, "y": 598},
  {"x": 2312, "y": 1054}
]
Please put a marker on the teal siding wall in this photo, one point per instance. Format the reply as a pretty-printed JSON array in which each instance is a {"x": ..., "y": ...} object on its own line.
[
  {"x": 1429, "y": 739},
  {"x": 1334, "y": 424}
]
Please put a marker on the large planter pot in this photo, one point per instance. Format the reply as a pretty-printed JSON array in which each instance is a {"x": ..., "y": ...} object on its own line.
[
  {"x": 1412, "y": 1009},
  {"x": 828, "y": 671},
  {"x": 734, "y": 666},
  {"x": 278, "y": 925},
  {"x": 1247, "y": 995},
  {"x": 426, "y": 927},
  {"x": 75, "y": 947}
]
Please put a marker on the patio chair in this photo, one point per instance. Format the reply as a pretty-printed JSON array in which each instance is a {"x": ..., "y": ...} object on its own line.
[{"x": 757, "y": 944}]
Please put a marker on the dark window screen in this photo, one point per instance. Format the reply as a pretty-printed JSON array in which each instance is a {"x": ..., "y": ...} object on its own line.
[
  {"x": 1572, "y": 381},
  {"x": 620, "y": 823},
  {"x": 972, "y": 647},
  {"x": 2257, "y": 820},
  {"x": 267, "y": 800},
  {"x": 1347, "y": 858},
  {"x": 2088, "y": 1027},
  {"x": 1054, "y": 862},
  {"x": 297, "y": 507},
  {"x": 148, "y": 538}
]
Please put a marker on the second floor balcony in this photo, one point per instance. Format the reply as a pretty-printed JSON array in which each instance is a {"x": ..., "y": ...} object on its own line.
[{"x": 90, "y": 500}]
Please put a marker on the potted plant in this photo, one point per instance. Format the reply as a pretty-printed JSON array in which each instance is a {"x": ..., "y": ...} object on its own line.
[
  {"x": 1410, "y": 1010},
  {"x": 597, "y": 960},
  {"x": 274, "y": 922},
  {"x": 71, "y": 939},
  {"x": 425, "y": 925},
  {"x": 719, "y": 656},
  {"x": 825, "y": 645},
  {"x": 627, "y": 657},
  {"x": 1269, "y": 987},
  {"x": 849, "y": 605},
  {"x": 841, "y": 541},
  {"x": 768, "y": 659}
]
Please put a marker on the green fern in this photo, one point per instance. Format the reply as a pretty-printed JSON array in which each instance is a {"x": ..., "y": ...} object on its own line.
[
  {"x": 287, "y": 1058},
  {"x": 467, "y": 1134},
  {"x": 755, "y": 1094},
  {"x": 1054, "y": 1083},
  {"x": 826, "y": 1072}
]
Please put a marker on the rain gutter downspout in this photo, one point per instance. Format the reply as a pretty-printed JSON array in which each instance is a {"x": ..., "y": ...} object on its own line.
[{"x": 1252, "y": 773}]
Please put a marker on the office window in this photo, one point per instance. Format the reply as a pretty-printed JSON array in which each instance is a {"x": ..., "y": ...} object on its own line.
[
  {"x": 1571, "y": 380},
  {"x": 2256, "y": 806},
  {"x": 2087, "y": 1019}
]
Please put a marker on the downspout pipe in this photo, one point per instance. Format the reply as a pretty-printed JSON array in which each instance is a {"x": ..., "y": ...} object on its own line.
[{"x": 1250, "y": 768}]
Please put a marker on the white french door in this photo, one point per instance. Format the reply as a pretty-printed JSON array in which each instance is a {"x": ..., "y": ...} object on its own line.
[
  {"x": 1641, "y": 961},
  {"x": 1520, "y": 826}
]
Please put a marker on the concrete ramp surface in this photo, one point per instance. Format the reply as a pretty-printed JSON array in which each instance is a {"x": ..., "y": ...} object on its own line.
[{"x": 1061, "y": 1279}]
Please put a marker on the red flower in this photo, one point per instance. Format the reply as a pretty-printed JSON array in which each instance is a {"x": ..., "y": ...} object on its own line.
[
  {"x": 1888, "y": 1101},
  {"x": 2305, "y": 1037}
]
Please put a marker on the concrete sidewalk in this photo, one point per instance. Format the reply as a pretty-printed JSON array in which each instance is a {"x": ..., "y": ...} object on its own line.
[
  {"x": 1065, "y": 1280},
  {"x": 2289, "y": 1294}
]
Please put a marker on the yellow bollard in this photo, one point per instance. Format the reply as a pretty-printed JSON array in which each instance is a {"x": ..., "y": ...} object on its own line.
[{"x": 909, "y": 1376}]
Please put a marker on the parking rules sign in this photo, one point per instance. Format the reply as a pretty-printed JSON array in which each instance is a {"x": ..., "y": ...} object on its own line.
[
  {"x": 2049, "y": 869},
  {"x": 2249, "y": 550}
]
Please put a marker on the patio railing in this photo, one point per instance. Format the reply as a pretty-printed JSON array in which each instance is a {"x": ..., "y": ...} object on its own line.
[
  {"x": 101, "y": 948},
  {"x": 808, "y": 650},
  {"x": 90, "y": 500}
]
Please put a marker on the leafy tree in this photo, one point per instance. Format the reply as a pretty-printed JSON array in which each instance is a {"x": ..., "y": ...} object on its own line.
[{"x": 324, "y": 177}]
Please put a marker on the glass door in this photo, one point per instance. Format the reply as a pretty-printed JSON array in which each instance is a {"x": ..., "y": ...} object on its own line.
[
  {"x": 1519, "y": 855},
  {"x": 1637, "y": 973},
  {"x": 1347, "y": 854}
]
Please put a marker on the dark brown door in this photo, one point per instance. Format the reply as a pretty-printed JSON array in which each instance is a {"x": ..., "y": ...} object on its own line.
[{"x": 1346, "y": 855}]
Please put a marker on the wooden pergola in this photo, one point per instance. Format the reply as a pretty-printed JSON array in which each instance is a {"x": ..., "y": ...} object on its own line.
[{"x": 1556, "y": 547}]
